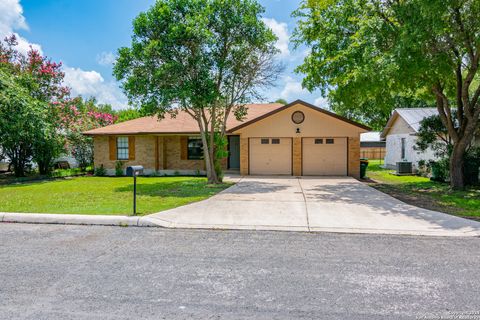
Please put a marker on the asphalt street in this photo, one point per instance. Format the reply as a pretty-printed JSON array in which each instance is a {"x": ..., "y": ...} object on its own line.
[{"x": 79, "y": 272}]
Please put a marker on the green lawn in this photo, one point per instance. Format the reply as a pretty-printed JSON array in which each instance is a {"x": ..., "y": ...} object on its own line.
[
  {"x": 422, "y": 192},
  {"x": 104, "y": 195}
]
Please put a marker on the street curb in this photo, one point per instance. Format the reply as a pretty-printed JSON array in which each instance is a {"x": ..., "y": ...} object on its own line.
[
  {"x": 147, "y": 221},
  {"x": 75, "y": 219}
]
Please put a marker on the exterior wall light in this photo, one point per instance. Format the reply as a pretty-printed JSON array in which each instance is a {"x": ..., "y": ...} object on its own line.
[{"x": 298, "y": 130}]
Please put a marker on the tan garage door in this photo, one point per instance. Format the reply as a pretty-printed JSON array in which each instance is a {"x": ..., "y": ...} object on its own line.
[
  {"x": 271, "y": 156},
  {"x": 324, "y": 156}
]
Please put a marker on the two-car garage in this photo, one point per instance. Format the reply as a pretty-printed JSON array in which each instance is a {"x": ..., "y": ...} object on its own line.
[
  {"x": 299, "y": 139},
  {"x": 323, "y": 156}
]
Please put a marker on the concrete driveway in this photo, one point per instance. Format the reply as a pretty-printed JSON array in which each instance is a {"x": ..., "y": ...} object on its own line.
[{"x": 332, "y": 204}]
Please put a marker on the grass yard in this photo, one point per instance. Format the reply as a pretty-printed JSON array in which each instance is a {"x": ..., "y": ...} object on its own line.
[
  {"x": 424, "y": 193},
  {"x": 104, "y": 195}
]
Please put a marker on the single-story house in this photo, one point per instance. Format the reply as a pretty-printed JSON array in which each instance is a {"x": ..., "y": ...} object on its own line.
[
  {"x": 372, "y": 146},
  {"x": 400, "y": 134},
  {"x": 274, "y": 139}
]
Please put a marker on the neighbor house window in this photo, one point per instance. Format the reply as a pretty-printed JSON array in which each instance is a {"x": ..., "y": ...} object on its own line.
[
  {"x": 195, "y": 149},
  {"x": 329, "y": 141},
  {"x": 403, "y": 148},
  {"x": 122, "y": 148}
]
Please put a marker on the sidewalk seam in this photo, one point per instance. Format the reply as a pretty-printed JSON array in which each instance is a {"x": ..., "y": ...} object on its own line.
[{"x": 304, "y": 201}]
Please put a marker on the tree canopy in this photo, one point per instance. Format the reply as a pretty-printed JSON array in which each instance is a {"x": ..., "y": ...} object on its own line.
[
  {"x": 38, "y": 118},
  {"x": 205, "y": 57},
  {"x": 367, "y": 54}
]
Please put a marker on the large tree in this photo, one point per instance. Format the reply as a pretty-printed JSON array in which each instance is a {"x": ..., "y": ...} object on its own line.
[
  {"x": 373, "y": 50},
  {"x": 42, "y": 79},
  {"x": 205, "y": 57},
  {"x": 21, "y": 122}
]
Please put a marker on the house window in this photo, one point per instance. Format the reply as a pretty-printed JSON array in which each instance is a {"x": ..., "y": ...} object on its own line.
[
  {"x": 264, "y": 141},
  {"x": 329, "y": 141},
  {"x": 122, "y": 148},
  {"x": 403, "y": 148},
  {"x": 275, "y": 141},
  {"x": 195, "y": 149},
  {"x": 318, "y": 141}
]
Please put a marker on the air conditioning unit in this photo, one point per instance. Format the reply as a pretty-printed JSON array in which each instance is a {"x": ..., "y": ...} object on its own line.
[{"x": 404, "y": 167}]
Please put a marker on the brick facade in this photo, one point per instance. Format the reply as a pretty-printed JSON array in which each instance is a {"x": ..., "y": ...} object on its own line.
[
  {"x": 297, "y": 156},
  {"x": 354, "y": 157},
  {"x": 144, "y": 153},
  {"x": 146, "y": 147},
  {"x": 244, "y": 150},
  {"x": 169, "y": 156}
]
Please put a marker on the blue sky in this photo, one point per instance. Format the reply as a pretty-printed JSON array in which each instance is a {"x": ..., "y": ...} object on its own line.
[{"x": 85, "y": 36}]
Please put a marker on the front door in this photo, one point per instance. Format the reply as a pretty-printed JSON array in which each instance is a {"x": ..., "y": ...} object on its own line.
[{"x": 234, "y": 152}]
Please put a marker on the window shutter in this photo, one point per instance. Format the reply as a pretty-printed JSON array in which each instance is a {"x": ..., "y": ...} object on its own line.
[
  {"x": 112, "y": 146},
  {"x": 183, "y": 148},
  {"x": 131, "y": 148}
]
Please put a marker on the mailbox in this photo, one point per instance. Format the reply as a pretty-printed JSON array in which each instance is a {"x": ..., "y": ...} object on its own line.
[{"x": 134, "y": 171}]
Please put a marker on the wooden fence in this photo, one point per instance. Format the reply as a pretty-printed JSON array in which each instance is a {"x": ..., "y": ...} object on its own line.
[{"x": 373, "y": 153}]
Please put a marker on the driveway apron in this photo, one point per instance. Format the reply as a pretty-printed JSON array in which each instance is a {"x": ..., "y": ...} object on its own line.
[{"x": 331, "y": 204}]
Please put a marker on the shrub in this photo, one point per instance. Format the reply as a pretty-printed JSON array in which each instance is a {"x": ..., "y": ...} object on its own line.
[
  {"x": 100, "y": 171},
  {"x": 471, "y": 166},
  {"x": 440, "y": 170},
  {"x": 424, "y": 168},
  {"x": 119, "y": 168}
]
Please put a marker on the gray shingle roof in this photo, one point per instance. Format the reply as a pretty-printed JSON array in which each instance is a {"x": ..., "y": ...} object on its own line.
[{"x": 413, "y": 116}]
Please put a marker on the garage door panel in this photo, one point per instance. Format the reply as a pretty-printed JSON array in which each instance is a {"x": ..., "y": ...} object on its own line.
[
  {"x": 274, "y": 157},
  {"x": 324, "y": 156}
]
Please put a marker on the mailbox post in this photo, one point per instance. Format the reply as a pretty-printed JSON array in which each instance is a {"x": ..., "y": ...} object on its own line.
[{"x": 134, "y": 171}]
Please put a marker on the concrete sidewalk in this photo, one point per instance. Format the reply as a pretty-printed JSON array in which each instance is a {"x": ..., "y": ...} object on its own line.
[
  {"x": 329, "y": 204},
  {"x": 306, "y": 204}
]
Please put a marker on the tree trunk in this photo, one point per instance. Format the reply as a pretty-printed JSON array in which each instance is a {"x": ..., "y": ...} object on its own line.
[
  {"x": 457, "y": 180},
  {"x": 209, "y": 162},
  {"x": 18, "y": 169}
]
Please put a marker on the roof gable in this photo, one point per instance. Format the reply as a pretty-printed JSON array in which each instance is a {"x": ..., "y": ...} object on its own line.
[
  {"x": 305, "y": 104},
  {"x": 412, "y": 117}
]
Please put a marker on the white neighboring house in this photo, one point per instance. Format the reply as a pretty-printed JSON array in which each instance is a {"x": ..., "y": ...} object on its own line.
[{"x": 400, "y": 134}]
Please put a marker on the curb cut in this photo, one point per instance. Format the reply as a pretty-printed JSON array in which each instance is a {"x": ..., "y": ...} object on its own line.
[{"x": 76, "y": 219}]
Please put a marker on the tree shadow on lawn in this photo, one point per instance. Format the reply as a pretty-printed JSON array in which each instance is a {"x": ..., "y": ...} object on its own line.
[
  {"x": 29, "y": 182},
  {"x": 180, "y": 189}
]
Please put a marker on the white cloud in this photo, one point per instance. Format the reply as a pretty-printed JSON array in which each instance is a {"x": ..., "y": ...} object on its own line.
[
  {"x": 92, "y": 84},
  {"x": 281, "y": 31},
  {"x": 292, "y": 89},
  {"x": 84, "y": 83},
  {"x": 321, "y": 102},
  {"x": 106, "y": 58},
  {"x": 11, "y": 19}
]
